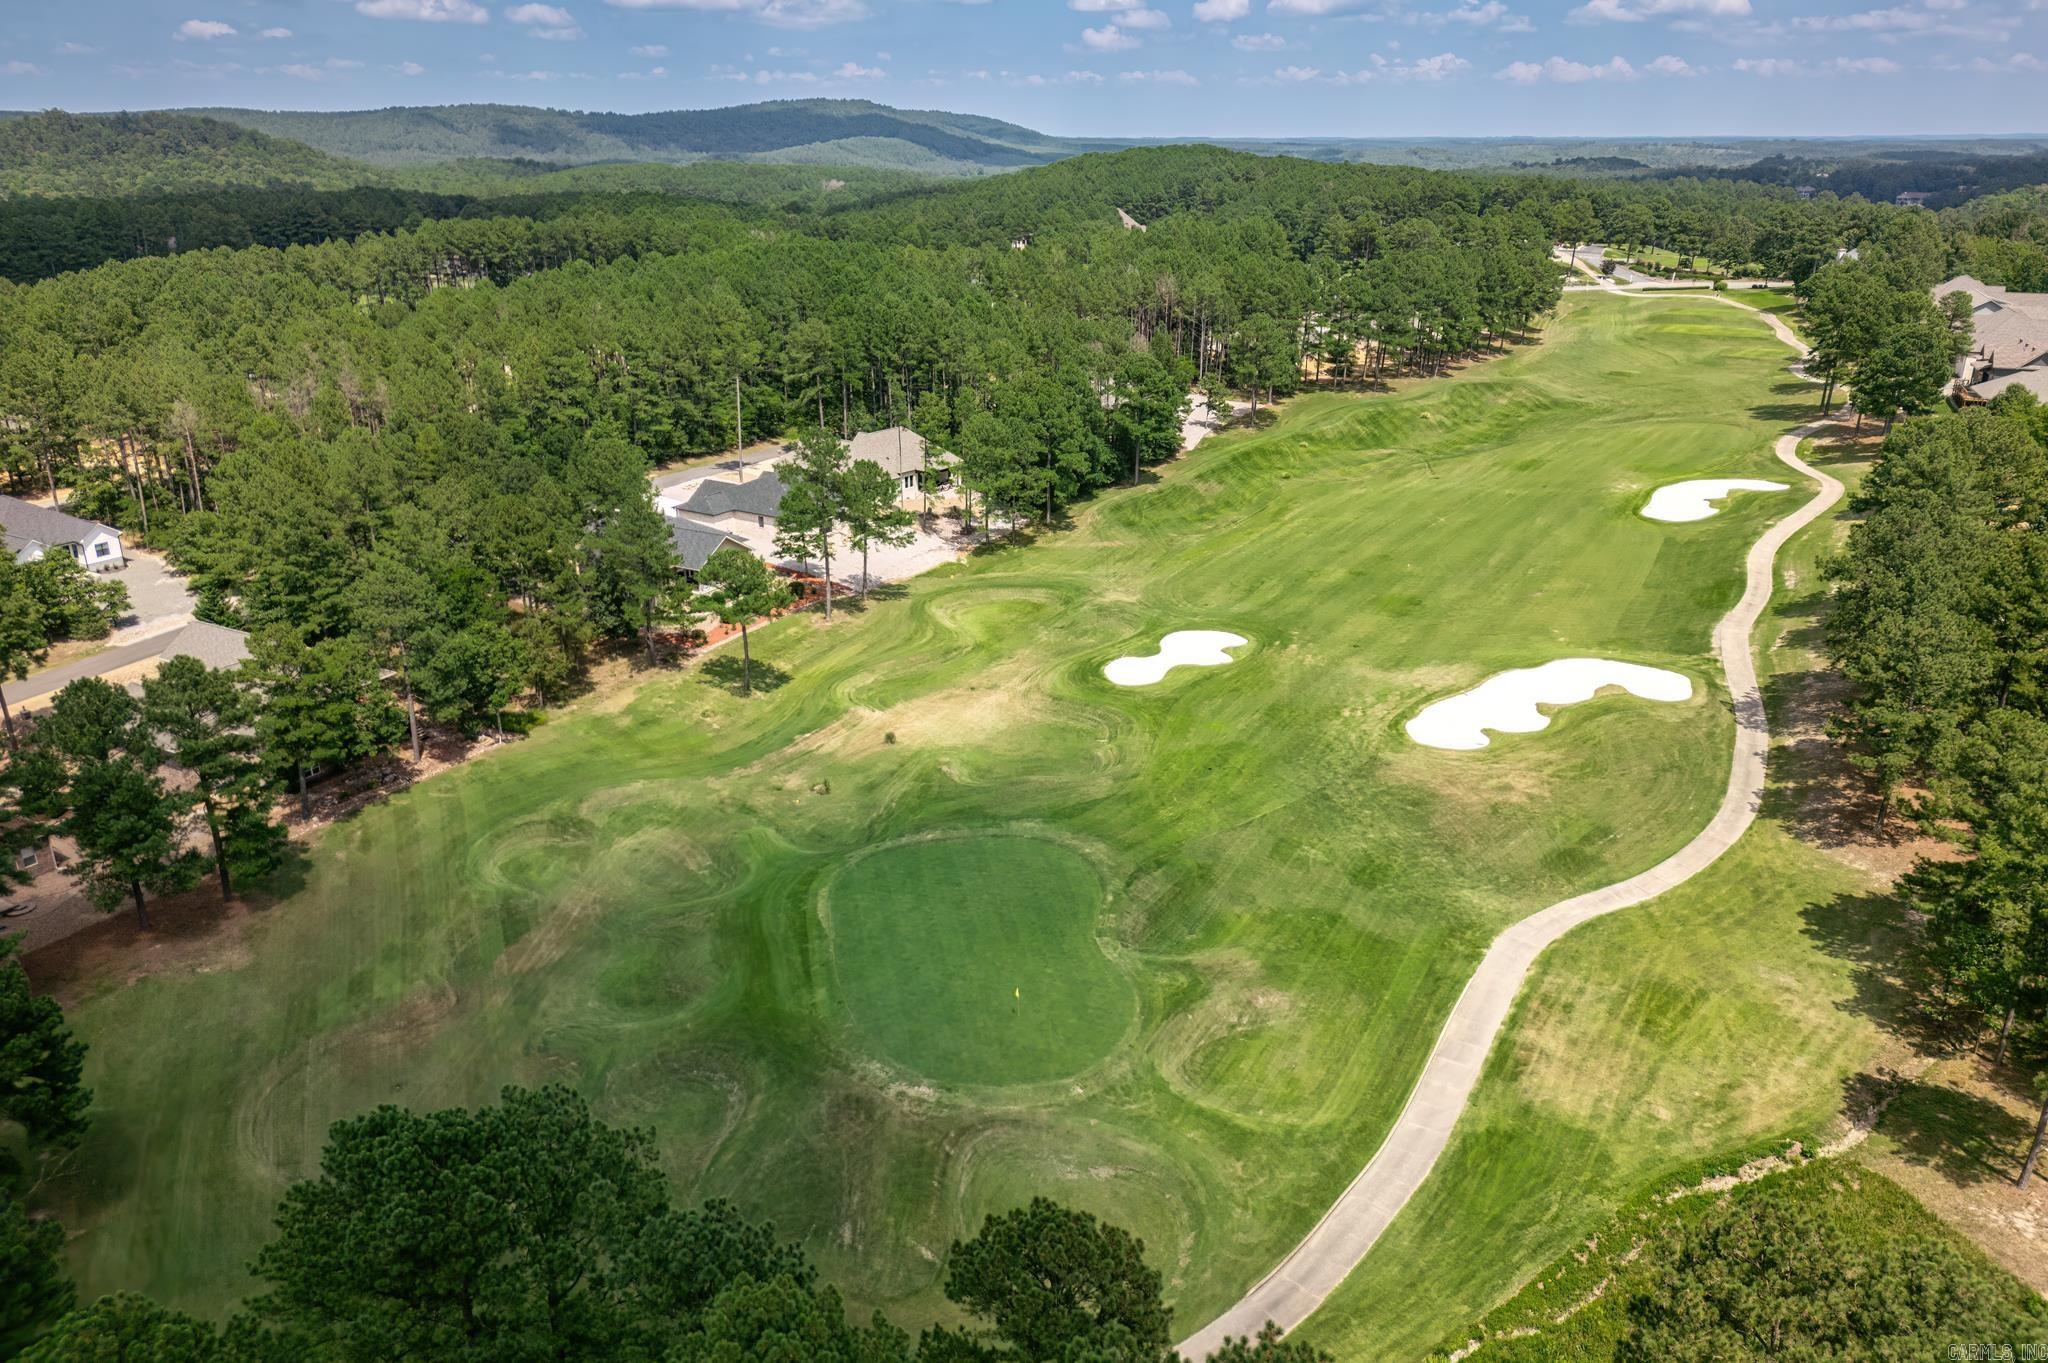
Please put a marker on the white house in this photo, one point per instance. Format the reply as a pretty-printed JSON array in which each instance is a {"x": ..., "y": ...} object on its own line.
[{"x": 32, "y": 531}]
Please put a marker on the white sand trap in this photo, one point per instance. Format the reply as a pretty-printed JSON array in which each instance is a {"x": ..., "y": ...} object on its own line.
[
  {"x": 1692, "y": 501},
  {"x": 1506, "y": 702},
  {"x": 1182, "y": 648}
]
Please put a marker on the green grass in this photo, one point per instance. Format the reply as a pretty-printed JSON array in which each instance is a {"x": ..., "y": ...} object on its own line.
[
  {"x": 627, "y": 900},
  {"x": 1721, "y": 1019},
  {"x": 1578, "y": 1311},
  {"x": 973, "y": 959}
]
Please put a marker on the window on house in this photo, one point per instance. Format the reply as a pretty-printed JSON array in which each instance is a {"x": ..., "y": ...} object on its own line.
[
  {"x": 25, "y": 858},
  {"x": 102, "y": 549}
]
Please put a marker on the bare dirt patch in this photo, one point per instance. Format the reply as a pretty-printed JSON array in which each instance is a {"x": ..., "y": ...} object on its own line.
[{"x": 1833, "y": 805}]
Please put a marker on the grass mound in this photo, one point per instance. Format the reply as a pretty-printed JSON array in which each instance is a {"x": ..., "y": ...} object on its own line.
[
  {"x": 973, "y": 959},
  {"x": 1589, "y": 1306}
]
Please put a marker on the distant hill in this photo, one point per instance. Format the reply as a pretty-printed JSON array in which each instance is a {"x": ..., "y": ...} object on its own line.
[
  {"x": 809, "y": 131},
  {"x": 156, "y": 153}
]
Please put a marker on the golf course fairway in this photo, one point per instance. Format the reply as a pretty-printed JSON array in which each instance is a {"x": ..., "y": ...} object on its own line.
[{"x": 1254, "y": 899}]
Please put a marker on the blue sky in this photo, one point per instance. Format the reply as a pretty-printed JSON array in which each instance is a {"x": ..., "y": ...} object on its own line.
[{"x": 1397, "y": 68}]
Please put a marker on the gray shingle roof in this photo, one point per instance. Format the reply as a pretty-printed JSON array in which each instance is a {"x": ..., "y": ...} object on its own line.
[
  {"x": 2010, "y": 337},
  {"x": 26, "y": 523},
  {"x": 899, "y": 450},
  {"x": 2034, "y": 381},
  {"x": 695, "y": 544},
  {"x": 755, "y": 497},
  {"x": 213, "y": 645}
]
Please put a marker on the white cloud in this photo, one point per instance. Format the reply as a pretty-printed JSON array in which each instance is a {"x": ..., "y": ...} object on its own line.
[
  {"x": 1564, "y": 71},
  {"x": 78, "y": 50},
  {"x": 549, "y": 22},
  {"x": 343, "y": 64},
  {"x": 1034, "y": 80},
  {"x": 300, "y": 71},
  {"x": 1108, "y": 38},
  {"x": 780, "y": 13},
  {"x": 203, "y": 30},
  {"x": 1896, "y": 19},
  {"x": 1769, "y": 66},
  {"x": 426, "y": 11},
  {"x": 1673, "y": 66},
  {"x": 275, "y": 34},
  {"x": 1440, "y": 67},
  {"x": 1221, "y": 11},
  {"x": 1863, "y": 66},
  {"x": 652, "y": 50},
  {"x": 2018, "y": 61},
  {"x": 1144, "y": 18},
  {"x": 1635, "y": 11},
  {"x": 1309, "y": 7},
  {"x": 1175, "y": 77},
  {"x": 651, "y": 73},
  {"x": 408, "y": 69},
  {"x": 18, "y": 68},
  {"x": 1258, "y": 42},
  {"x": 855, "y": 71},
  {"x": 1297, "y": 75}
]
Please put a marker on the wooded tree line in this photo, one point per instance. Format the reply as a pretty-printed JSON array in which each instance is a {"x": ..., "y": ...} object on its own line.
[
  {"x": 433, "y": 442},
  {"x": 1876, "y": 326},
  {"x": 1941, "y": 622}
]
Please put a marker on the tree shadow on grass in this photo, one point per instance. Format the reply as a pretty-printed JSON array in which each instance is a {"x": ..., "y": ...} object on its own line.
[
  {"x": 1874, "y": 934},
  {"x": 725, "y": 670},
  {"x": 1794, "y": 406},
  {"x": 1964, "y": 1138}
]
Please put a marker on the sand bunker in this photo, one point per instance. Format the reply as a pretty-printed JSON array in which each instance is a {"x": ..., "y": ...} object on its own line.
[
  {"x": 1692, "y": 501},
  {"x": 1182, "y": 648},
  {"x": 1507, "y": 701}
]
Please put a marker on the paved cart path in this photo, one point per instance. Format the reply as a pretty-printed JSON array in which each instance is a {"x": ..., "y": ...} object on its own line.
[{"x": 1314, "y": 1269}]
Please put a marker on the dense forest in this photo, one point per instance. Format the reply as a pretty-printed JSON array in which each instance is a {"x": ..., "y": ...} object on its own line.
[
  {"x": 938, "y": 141},
  {"x": 1950, "y": 178},
  {"x": 149, "y": 153}
]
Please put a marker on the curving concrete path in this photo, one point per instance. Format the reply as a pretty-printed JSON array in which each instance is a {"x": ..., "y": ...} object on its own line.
[{"x": 1325, "y": 1257}]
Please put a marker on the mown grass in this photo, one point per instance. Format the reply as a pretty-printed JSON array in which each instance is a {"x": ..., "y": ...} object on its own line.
[
  {"x": 1720, "y": 1020},
  {"x": 629, "y": 901},
  {"x": 995, "y": 935}
]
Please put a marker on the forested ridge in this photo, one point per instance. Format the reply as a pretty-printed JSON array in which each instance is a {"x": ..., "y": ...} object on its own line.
[
  {"x": 144, "y": 153},
  {"x": 407, "y": 136}
]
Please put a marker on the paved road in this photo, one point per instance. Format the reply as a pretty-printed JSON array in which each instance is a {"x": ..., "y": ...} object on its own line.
[{"x": 1307, "y": 1276}]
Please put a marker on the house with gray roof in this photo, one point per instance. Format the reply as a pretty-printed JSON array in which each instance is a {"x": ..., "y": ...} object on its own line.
[
  {"x": 730, "y": 504},
  {"x": 905, "y": 456},
  {"x": 32, "y": 531},
  {"x": 696, "y": 542},
  {"x": 2008, "y": 340}
]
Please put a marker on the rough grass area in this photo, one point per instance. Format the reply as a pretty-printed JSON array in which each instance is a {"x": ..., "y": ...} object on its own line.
[
  {"x": 1578, "y": 1310},
  {"x": 973, "y": 960},
  {"x": 628, "y": 901}
]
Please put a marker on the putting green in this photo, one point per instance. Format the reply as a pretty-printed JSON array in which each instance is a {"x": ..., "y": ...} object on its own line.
[{"x": 973, "y": 959}]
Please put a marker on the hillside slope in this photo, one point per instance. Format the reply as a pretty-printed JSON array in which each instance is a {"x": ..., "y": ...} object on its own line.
[
  {"x": 59, "y": 153},
  {"x": 797, "y": 130}
]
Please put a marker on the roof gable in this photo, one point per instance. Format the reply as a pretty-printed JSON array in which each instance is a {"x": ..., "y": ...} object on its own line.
[
  {"x": 755, "y": 497},
  {"x": 25, "y": 522}
]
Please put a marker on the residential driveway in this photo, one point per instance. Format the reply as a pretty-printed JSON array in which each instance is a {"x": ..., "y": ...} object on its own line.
[{"x": 158, "y": 598}]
